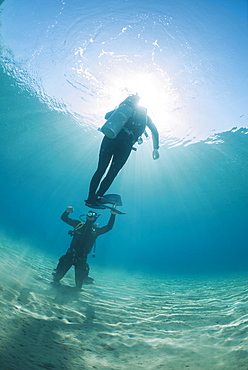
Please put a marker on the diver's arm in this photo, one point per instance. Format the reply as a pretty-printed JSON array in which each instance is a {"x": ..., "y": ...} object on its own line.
[
  {"x": 155, "y": 138},
  {"x": 65, "y": 217},
  {"x": 109, "y": 226}
]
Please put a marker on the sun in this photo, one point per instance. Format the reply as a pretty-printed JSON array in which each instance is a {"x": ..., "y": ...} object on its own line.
[{"x": 154, "y": 92}]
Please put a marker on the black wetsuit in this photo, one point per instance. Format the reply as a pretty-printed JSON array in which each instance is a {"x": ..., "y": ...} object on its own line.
[
  {"x": 119, "y": 149},
  {"x": 84, "y": 237}
]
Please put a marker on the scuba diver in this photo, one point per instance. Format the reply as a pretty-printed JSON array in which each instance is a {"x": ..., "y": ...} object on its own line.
[
  {"x": 84, "y": 236},
  {"x": 123, "y": 129}
]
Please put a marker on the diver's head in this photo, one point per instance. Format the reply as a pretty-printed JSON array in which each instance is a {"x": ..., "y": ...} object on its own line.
[{"x": 92, "y": 216}]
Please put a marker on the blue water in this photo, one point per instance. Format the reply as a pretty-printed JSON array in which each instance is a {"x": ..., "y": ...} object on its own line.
[{"x": 64, "y": 64}]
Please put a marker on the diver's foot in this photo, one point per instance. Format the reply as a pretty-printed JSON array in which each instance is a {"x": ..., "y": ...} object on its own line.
[
  {"x": 77, "y": 289},
  {"x": 88, "y": 203},
  {"x": 88, "y": 280},
  {"x": 55, "y": 284},
  {"x": 93, "y": 203}
]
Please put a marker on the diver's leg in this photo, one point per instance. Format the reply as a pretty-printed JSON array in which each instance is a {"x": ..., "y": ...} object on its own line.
[
  {"x": 87, "y": 279},
  {"x": 121, "y": 154},
  {"x": 65, "y": 263},
  {"x": 81, "y": 272},
  {"x": 105, "y": 156}
]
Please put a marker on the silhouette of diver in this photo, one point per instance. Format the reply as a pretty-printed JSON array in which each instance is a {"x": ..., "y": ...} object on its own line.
[
  {"x": 84, "y": 236},
  {"x": 115, "y": 151}
]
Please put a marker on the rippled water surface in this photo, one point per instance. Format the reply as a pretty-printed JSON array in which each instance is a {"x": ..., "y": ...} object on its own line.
[{"x": 187, "y": 60}]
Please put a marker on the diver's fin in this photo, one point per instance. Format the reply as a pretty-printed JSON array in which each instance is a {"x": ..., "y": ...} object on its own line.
[
  {"x": 111, "y": 199},
  {"x": 114, "y": 209},
  {"x": 94, "y": 205}
]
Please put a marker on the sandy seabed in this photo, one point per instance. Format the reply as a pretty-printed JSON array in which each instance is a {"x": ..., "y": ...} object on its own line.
[{"x": 121, "y": 321}]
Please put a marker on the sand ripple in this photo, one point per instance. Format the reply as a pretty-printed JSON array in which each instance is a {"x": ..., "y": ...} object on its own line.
[{"x": 121, "y": 322}]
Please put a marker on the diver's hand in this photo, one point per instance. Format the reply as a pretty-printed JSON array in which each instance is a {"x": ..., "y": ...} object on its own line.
[
  {"x": 155, "y": 154},
  {"x": 69, "y": 209}
]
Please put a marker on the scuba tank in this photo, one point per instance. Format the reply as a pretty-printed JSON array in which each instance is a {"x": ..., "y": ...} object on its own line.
[
  {"x": 120, "y": 116},
  {"x": 117, "y": 120}
]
